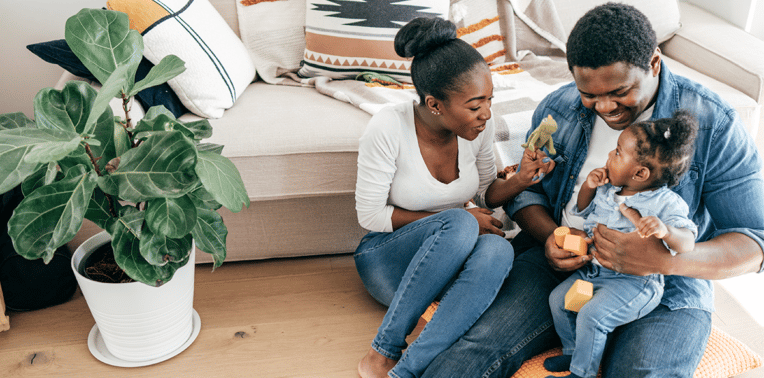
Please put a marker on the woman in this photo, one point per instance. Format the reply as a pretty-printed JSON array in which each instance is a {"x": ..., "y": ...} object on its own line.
[{"x": 418, "y": 165}]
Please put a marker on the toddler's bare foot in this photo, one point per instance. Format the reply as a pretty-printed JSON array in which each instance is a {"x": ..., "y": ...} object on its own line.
[{"x": 375, "y": 365}]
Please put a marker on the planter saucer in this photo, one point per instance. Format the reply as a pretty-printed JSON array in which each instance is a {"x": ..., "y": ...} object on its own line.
[{"x": 98, "y": 347}]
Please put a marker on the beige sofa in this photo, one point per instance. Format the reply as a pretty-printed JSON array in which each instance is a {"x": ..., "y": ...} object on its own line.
[{"x": 296, "y": 148}]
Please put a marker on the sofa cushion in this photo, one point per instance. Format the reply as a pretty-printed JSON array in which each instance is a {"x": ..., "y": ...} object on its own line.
[
  {"x": 290, "y": 141},
  {"x": 748, "y": 109},
  {"x": 218, "y": 66},
  {"x": 663, "y": 14},
  {"x": 344, "y": 38},
  {"x": 274, "y": 34}
]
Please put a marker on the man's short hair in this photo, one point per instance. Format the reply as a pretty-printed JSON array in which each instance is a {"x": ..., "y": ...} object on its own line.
[{"x": 611, "y": 33}]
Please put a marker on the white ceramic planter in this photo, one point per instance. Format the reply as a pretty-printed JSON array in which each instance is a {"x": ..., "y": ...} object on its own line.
[{"x": 138, "y": 324}]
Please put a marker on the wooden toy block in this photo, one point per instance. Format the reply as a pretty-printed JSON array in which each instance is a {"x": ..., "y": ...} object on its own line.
[
  {"x": 559, "y": 235},
  {"x": 5, "y": 321},
  {"x": 580, "y": 293},
  {"x": 427, "y": 316},
  {"x": 575, "y": 244}
]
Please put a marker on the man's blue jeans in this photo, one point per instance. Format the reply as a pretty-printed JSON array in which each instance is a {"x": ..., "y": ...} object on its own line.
[
  {"x": 440, "y": 256},
  {"x": 518, "y": 325},
  {"x": 618, "y": 299}
]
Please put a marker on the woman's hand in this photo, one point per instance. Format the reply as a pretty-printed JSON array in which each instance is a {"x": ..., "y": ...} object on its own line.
[
  {"x": 487, "y": 223},
  {"x": 629, "y": 252},
  {"x": 561, "y": 259},
  {"x": 533, "y": 167}
]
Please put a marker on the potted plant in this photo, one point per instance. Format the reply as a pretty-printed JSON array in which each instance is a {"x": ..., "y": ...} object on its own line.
[{"x": 153, "y": 187}]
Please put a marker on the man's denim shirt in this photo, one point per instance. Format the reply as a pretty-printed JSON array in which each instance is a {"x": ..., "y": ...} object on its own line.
[{"x": 724, "y": 187}]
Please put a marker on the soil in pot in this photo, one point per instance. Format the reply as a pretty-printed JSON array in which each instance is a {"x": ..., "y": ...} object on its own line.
[{"x": 101, "y": 267}]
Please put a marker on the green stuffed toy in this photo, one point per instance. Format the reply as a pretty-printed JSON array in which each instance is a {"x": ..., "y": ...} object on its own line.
[{"x": 542, "y": 136}]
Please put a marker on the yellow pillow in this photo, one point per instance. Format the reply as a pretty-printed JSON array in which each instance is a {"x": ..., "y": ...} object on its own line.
[{"x": 725, "y": 356}]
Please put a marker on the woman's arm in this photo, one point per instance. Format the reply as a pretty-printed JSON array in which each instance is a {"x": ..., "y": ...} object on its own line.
[{"x": 402, "y": 217}]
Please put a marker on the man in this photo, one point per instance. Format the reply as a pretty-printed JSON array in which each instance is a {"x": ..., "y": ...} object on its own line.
[{"x": 619, "y": 79}]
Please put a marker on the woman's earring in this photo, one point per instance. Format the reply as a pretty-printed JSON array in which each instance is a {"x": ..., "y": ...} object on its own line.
[{"x": 436, "y": 113}]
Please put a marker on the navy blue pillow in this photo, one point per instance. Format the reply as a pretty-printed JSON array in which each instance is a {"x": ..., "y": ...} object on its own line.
[{"x": 58, "y": 52}]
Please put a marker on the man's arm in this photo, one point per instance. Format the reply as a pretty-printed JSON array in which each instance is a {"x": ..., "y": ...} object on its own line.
[{"x": 727, "y": 255}]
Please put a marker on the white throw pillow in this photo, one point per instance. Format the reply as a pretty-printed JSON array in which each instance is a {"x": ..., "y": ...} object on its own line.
[
  {"x": 218, "y": 66},
  {"x": 274, "y": 34},
  {"x": 663, "y": 14}
]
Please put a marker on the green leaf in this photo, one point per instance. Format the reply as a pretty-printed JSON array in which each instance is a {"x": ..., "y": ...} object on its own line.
[
  {"x": 99, "y": 211},
  {"x": 160, "y": 123},
  {"x": 203, "y": 199},
  {"x": 201, "y": 129},
  {"x": 210, "y": 234},
  {"x": 127, "y": 254},
  {"x": 159, "y": 250},
  {"x": 15, "y": 144},
  {"x": 117, "y": 84},
  {"x": 162, "y": 166},
  {"x": 169, "y": 67},
  {"x": 67, "y": 109},
  {"x": 171, "y": 217},
  {"x": 122, "y": 141},
  {"x": 52, "y": 151},
  {"x": 43, "y": 176},
  {"x": 222, "y": 180},
  {"x": 75, "y": 158},
  {"x": 211, "y": 147},
  {"x": 14, "y": 121},
  {"x": 102, "y": 40},
  {"x": 51, "y": 215},
  {"x": 111, "y": 136}
]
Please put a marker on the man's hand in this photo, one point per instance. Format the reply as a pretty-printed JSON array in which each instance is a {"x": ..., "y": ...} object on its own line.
[
  {"x": 629, "y": 252},
  {"x": 563, "y": 260},
  {"x": 487, "y": 223}
]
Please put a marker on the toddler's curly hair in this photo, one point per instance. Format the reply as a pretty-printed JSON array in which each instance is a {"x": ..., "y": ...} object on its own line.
[{"x": 666, "y": 145}]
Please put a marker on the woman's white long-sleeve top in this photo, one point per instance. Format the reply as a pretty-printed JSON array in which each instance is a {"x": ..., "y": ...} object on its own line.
[{"x": 392, "y": 172}]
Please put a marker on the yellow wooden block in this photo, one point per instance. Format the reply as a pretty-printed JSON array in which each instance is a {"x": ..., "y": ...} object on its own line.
[
  {"x": 427, "y": 316},
  {"x": 559, "y": 235},
  {"x": 580, "y": 293},
  {"x": 575, "y": 244}
]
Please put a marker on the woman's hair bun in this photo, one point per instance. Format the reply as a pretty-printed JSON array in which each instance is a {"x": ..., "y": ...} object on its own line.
[{"x": 421, "y": 35}]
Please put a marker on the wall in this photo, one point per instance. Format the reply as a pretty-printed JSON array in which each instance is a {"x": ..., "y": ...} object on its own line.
[{"x": 26, "y": 22}]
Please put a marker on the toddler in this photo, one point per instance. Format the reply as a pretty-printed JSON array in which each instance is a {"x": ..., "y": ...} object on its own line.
[{"x": 650, "y": 157}]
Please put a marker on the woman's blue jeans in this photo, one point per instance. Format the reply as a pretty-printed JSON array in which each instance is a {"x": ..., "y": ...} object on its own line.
[
  {"x": 518, "y": 326},
  {"x": 618, "y": 299},
  {"x": 437, "y": 257}
]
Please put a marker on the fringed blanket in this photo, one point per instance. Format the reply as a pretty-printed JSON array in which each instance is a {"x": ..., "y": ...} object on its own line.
[{"x": 518, "y": 88}]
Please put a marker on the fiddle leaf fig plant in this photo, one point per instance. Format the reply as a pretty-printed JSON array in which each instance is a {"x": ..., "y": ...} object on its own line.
[{"x": 154, "y": 185}]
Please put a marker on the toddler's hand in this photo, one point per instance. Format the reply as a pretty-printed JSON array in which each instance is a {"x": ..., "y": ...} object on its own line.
[
  {"x": 651, "y": 225},
  {"x": 596, "y": 178}
]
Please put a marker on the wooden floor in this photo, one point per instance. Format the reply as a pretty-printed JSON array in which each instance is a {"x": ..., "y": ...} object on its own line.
[
  {"x": 305, "y": 317},
  {"x": 302, "y": 317}
]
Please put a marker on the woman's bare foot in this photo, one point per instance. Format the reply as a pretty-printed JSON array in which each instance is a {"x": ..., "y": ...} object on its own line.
[{"x": 375, "y": 365}]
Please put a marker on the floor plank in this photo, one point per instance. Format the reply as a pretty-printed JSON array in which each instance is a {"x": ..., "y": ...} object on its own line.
[{"x": 304, "y": 317}]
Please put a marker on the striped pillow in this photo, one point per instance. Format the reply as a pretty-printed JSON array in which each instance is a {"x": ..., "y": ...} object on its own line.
[
  {"x": 478, "y": 25},
  {"x": 218, "y": 66},
  {"x": 346, "y": 37}
]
